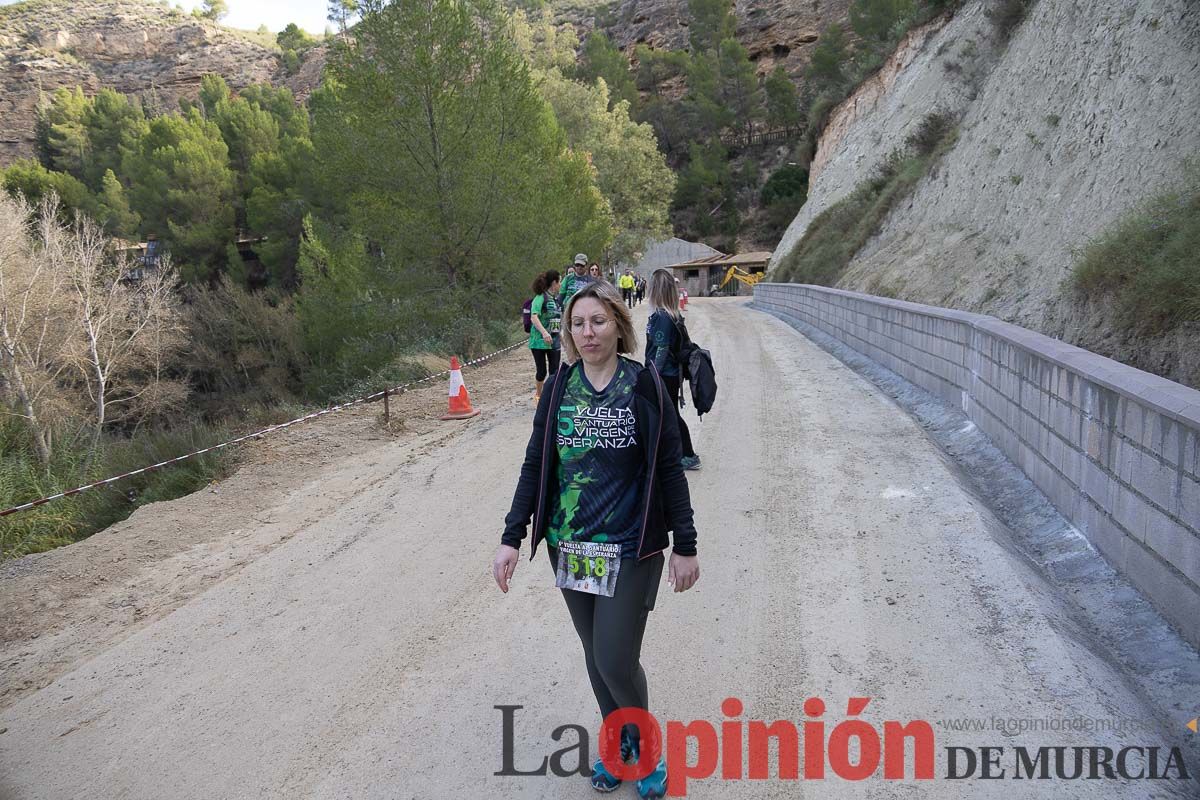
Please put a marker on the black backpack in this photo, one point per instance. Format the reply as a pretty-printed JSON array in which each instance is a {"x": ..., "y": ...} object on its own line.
[{"x": 696, "y": 366}]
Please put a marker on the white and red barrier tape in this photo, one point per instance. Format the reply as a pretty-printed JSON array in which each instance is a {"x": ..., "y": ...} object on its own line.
[{"x": 256, "y": 434}]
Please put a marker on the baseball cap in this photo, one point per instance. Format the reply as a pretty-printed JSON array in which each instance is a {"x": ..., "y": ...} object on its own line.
[{"x": 581, "y": 258}]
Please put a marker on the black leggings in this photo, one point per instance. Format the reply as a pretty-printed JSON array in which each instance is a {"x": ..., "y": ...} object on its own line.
[
  {"x": 672, "y": 383},
  {"x": 611, "y": 628},
  {"x": 540, "y": 359},
  {"x": 627, "y": 296}
]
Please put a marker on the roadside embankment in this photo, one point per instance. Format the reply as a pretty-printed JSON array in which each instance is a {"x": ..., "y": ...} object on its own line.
[{"x": 1115, "y": 449}]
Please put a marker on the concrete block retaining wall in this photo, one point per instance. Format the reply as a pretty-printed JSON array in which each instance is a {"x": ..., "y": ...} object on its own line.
[{"x": 1117, "y": 450}]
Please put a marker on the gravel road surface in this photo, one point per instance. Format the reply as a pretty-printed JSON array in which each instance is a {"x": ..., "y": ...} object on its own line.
[{"x": 349, "y": 641}]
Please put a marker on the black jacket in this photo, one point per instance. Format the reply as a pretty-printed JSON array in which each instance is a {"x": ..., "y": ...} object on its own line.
[{"x": 668, "y": 506}]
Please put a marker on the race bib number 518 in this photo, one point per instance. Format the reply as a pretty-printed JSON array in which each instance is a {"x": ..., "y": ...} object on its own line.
[{"x": 590, "y": 567}]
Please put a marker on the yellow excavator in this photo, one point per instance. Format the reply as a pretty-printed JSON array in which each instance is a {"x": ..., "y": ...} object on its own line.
[{"x": 748, "y": 278}]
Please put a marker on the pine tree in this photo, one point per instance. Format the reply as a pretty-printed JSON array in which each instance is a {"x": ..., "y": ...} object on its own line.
[
  {"x": 34, "y": 182},
  {"x": 433, "y": 145},
  {"x": 276, "y": 206},
  {"x": 712, "y": 22},
  {"x": 181, "y": 185},
  {"x": 827, "y": 68},
  {"x": 215, "y": 9},
  {"x": 739, "y": 90},
  {"x": 61, "y": 132},
  {"x": 112, "y": 208},
  {"x": 247, "y": 129},
  {"x": 707, "y": 193},
  {"x": 340, "y": 12},
  {"x": 655, "y": 69},
  {"x": 235, "y": 265},
  {"x": 114, "y": 122},
  {"x": 293, "y": 37},
  {"x": 600, "y": 58},
  {"x": 783, "y": 102}
]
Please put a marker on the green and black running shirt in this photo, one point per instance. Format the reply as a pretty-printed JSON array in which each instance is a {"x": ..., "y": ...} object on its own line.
[{"x": 600, "y": 462}]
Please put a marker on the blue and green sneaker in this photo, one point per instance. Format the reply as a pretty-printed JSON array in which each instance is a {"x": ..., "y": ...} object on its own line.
[
  {"x": 654, "y": 785},
  {"x": 605, "y": 781},
  {"x": 602, "y": 779}
]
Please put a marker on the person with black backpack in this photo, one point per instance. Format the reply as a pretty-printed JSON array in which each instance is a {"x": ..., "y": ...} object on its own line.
[
  {"x": 663, "y": 344},
  {"x": 543, "y": 323}
]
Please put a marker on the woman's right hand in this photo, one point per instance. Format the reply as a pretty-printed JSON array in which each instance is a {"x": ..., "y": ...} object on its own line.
[
  {"x": 504, "y": 565},
  {"x": 547, "y": 338}
]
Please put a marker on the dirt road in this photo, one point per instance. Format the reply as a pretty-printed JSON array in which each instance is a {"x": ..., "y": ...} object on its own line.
[{"x": 349, "y": 641}]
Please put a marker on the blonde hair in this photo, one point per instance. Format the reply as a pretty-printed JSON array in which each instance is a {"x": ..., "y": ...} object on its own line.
[
  {"x": 606, "y": 294},
  {"x": 663, "y": 292}
]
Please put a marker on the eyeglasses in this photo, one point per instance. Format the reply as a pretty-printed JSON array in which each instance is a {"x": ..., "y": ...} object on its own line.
[{"x": 599, "y": 324}]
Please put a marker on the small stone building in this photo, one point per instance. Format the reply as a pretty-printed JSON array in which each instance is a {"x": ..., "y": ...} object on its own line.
[{"x": 701, "y": 276}]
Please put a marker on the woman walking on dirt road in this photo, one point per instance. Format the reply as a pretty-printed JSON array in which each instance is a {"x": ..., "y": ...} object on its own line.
[
  {"x": 603, "y": 483},
  {"x": 662, "y": 349},
  {"x": 545, "y": 321}
]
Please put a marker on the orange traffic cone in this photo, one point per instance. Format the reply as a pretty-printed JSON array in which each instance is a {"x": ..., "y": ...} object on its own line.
[{"x": 460, "y": 401}]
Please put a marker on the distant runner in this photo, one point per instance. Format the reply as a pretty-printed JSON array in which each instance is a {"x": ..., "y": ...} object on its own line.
[
  {"x": 545, "y": 322},
  {"x": 627, "y": 283}
]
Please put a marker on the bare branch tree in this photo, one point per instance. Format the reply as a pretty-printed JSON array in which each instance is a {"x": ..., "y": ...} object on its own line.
[
  {"x": 126, "y": 329},
  {"x": 78, "y": 336},
  {"x": 35, "y": 330}
]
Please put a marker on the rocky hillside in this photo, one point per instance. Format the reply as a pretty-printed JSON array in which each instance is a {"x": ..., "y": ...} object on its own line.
[
  {"x": 153, "y": 50},
  {"x": 1088, "y": 109},
  {"x": 773, "y": 31},
  {"x": 133, "y": 46}
]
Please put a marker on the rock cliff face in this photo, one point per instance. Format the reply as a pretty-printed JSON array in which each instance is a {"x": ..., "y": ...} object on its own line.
[
  {"x": 773, "y": 31},
  {"x": 146, "y": 48},
  {"x": 1090, "y": 108},
  {"x": 136, "y": 47}
]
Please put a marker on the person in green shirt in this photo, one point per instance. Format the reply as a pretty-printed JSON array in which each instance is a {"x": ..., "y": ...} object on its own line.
[
  {"x": 576, "y": 278},
  {"x": 545, "y": 321}
]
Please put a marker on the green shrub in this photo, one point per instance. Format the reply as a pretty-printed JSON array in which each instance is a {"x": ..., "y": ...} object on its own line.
[
  {"x": 291, "y": 62},
  {"x": 932, "y": 130},
  {"x": 787, "y": 182},
  {"x": 247, "y": 347},
  {"x": 782, "y": 196},
  {"x": 1149, "y": 261}
]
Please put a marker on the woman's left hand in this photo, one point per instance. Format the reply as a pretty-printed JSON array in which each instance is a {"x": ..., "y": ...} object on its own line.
[{"x": 683, "y": 571}]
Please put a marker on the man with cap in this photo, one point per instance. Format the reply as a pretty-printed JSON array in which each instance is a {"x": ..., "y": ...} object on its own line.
[{"x": 574, "y": 280}]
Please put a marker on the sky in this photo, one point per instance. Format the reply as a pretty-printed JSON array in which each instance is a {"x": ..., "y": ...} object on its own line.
[{"x": 275, "y": 14}]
